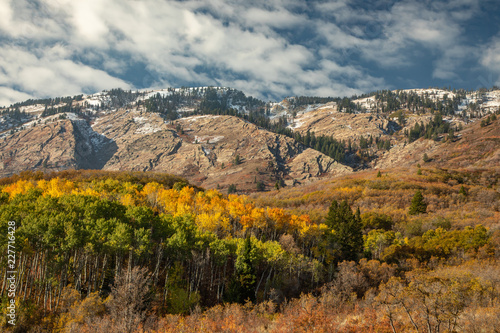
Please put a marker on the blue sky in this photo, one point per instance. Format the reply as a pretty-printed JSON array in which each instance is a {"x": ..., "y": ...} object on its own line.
[{"x": 267, "y": 49}]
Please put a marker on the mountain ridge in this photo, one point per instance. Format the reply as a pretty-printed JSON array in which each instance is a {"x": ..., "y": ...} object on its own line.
[{"x": 217, "y": 137}]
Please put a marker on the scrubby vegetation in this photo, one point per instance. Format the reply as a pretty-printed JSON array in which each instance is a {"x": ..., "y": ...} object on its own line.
[{"x": 132, "y": 252}]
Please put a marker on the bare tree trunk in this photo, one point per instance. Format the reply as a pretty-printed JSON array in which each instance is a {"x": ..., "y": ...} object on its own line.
[
  {"x": 129, "y": 269},
  {"x": 260, "y": 281},
  {"x": 104, "y": 262},
  {"x": 165, "y": 292},
  {"x": 62, "y": 283},
  {"x": 409, "y": 316},
  {"x": 267, "y": 281},
  {"x": 159, "y": 256},
  {"x": 391, "y": 322}
]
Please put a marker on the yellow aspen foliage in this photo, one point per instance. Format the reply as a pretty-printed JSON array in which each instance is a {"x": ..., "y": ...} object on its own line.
[
  {"x": 87, "y": 191},
  {"x": 20, "y": 187},
  {"x": 215, "y": 223},
  {"x": 185, "y": 200},
  {"x": 177, "y": 202},
  {"x": 258, "y": 216},
  {"x": 131, "y": 188},
  {"x": 239, "y": 206},
  {"x": 298, "y": 223},
  {"x": 56, "y": 187},
  {"x": 128, "y": 199},
  {"x": 167, "y": 199},
  {"x": 246, "y": 222},
  {"x": 279, "y": 217},
  {"x": 312, "y": 231},
  {"x": 150, "y": 193}
]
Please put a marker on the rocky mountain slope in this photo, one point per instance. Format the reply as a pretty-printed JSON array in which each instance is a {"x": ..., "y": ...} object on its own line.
[
  {"x": 211, "y": 151},
  {"x": 217, "y": 137},
  {"x": 327, "y": 120}
]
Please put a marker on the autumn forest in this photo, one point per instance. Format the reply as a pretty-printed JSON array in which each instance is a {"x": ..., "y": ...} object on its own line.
[{"x": 387, "y": 251}]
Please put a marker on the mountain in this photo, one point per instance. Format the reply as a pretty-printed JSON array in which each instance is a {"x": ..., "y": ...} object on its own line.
[{"x": 217, "y": 137}]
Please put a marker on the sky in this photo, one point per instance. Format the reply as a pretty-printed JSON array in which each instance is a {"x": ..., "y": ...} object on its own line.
[{"x": 269, "y": 49}]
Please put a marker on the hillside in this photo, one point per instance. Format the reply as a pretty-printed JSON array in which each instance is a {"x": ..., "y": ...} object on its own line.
[
  {"x": 217, "y": 137},
  {"x": 473, "y": 147},
  {"x": 346, "y": 254},
  {"x": 211, "y": 151},
  {"x": 408, "y": 217}
]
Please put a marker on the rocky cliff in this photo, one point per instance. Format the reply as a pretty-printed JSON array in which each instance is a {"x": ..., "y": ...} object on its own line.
[{"x": 211, "y": 151}]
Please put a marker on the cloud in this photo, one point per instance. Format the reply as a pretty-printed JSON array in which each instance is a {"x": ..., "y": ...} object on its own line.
[
  {"x": 8, "y": 96},
  {"x": 269, "y": 49},
  {"x": 490, "y": 60},
  {"x": 48, "y": 74}
]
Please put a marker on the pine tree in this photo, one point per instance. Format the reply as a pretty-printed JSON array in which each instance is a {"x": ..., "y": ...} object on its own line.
[
  {"x": 463, "y": 191},
  {"x": 242, "y": 288},
  {"x": 418, "y": 206},
  {"x": 231, "y": 189},
  {"x": 260, "y": 186},
  {"x": 347, "y": 230},
  {"x": 237, "y": 160}
]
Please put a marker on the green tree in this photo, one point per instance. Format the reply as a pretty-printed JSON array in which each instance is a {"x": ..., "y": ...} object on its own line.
[
  {"x": 418, "y": 205},
  {"x": 242, "y": 288},
  {"x": 237, "y": 160},
  {"x": 260, "y": 186},
  {"x": 346, "y": 230},
  {"x": 463, "y": 191},
  {"x": 231, "y": 189}
]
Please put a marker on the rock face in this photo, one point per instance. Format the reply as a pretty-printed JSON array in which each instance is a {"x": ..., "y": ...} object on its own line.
[
  {"x": 113, "y": 132},
  {"x": 57, "y": 145},
  {"x": 474, "y": 147},
  {"x": 210, "y": 151},
  {"x": 343, "y": 126},
  {"x": 39, "y": 147}
]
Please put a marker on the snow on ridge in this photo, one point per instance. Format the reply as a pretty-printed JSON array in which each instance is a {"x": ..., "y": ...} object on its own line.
[
  {"x": 140, "y": 120},
  {"x": 295, "y": 125},
  {"x": 40, "y": 121},
  {"x": 206, "y": 151},
  {"x": 369, "y": 103},
  {"x": 148, "y": 93},
  {"x": 435, "y": 94},
  {"x": 207, "y": 139},
  {"x": 147, "y": 128}
]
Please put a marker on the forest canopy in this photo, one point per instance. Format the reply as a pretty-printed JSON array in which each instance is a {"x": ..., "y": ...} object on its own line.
[{"x": 84, "y": 240}]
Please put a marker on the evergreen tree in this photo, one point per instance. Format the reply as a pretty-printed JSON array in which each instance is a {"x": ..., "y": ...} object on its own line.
[
  {"x": 242, "y": 288},
  {"x": 237, "y": 160},
  {"x": 231, "y": 189},
  {"x": 260, "y": 186},
  {"x": 347, "y": 230},
  {"x": 463, "y": 191},
  {"x": 418, "y": 206}
]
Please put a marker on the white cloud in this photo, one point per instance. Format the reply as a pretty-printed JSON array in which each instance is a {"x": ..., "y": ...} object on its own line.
[
  {"x": 491, "y": 56},
  {"x": 490, "y": 60},
  {"x": 48, "y": 75},
  {"x": 9, "y": 96},
  {"x": 255, "y": 46},
  {"x": 88, "y": 23}
]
